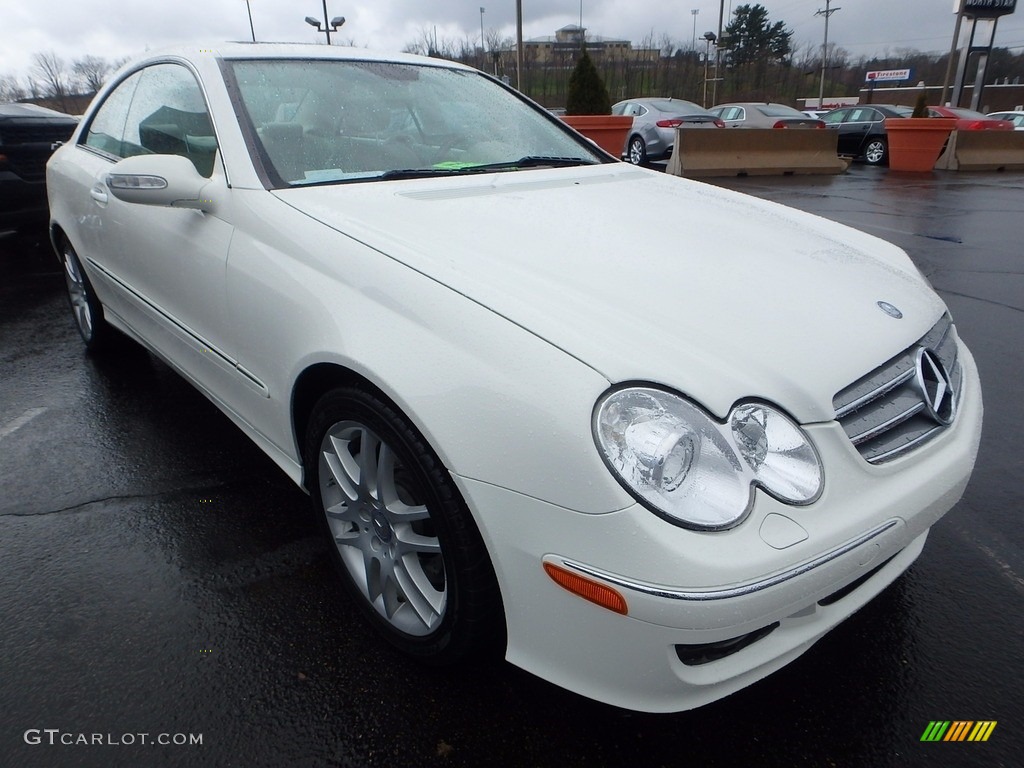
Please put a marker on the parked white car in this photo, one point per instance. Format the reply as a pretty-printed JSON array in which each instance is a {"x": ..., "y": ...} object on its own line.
[
  {"x": 1015, "y": 117},
  {"x": 651, "y": 476}
]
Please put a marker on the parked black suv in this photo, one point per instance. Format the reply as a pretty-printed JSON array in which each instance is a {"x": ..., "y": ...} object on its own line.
[{"x": 27, "y": 137}]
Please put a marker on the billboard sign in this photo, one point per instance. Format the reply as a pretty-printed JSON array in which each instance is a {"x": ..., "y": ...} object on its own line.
[
  {"x": 887, "y": 75},
  {"x": 986, "y": 9}
]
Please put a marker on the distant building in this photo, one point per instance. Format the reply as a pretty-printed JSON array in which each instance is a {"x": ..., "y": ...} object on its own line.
[{"x": 566, "y": 43}]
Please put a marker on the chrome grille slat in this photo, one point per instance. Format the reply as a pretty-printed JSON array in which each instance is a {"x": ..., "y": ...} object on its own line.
[
  {"x": 879, "y": 391},
  {"x": 884, "y": 413},
  {"x": 913, "y": 443},
  {"x": 887, "y": 425}
]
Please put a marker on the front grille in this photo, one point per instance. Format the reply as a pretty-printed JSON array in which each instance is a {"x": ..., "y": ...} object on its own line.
[
  {"x": 885, "y": 414},
  {"x": 29, "y": 165},
  {"x": 35, "y": 133}
]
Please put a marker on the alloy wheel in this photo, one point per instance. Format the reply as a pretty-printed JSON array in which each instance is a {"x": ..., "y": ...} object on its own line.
[{"x": 382, "y": 529}]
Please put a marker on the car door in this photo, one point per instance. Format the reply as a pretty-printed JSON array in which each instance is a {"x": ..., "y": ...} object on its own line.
[
  {"x": 837, "y": 121},
  {"x": 863, "y": 123},
  {"x": 165, "y": 265},
  {"x": 733, "y": 117}
]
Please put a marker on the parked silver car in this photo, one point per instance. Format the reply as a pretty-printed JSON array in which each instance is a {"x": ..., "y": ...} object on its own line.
[
  {"x": 763, "y": 115},
  {"x": 654, "y": 126}
]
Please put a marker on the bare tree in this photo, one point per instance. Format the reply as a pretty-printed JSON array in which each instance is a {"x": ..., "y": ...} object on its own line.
[
  {"x": 92, "y": 71},
  {"x": 10, "y": 89},
  {"x": 53, "y": 76}
]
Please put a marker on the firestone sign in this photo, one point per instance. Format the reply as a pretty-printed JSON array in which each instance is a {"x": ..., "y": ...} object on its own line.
[
  {"x": 886, "y": 75},
  {"x": 987, "y": 8}
]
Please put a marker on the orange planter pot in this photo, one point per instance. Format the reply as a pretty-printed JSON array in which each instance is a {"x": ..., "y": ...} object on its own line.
[
  {"x": 609, "y": 132},
  {"x": 915, "y": 143}
]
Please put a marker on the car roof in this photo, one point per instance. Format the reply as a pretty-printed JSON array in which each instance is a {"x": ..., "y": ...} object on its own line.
[
  {"x": 752, "y": 104},
  {"x": 244, "y": 50},
  {"x": 651, "y": 100}
]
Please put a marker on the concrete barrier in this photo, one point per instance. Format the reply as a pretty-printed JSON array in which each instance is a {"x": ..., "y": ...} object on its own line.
[
  {"x": 755, "y": 152},
  {"x": 983, "y": 151}
]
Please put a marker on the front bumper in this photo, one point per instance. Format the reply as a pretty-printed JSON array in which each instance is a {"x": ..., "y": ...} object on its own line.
[{"x": 688, "y": 588}]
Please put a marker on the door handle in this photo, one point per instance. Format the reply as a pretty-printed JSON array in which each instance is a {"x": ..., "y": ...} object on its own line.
[{"x": 98, "y": 194}]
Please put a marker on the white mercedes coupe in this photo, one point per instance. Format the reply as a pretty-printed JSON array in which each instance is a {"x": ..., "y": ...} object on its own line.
[{"x": 651, "y": 475}]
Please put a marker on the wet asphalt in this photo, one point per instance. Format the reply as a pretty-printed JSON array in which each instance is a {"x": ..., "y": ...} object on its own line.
[{"x": 160, "y": 576}]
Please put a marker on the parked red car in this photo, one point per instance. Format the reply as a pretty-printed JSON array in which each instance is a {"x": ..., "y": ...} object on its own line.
[{"x": 969, "y": 120}]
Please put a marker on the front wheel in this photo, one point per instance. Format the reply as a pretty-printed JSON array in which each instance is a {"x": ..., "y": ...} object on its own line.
[
  {"x": 637, "y": 153},
  {"x": 402, "y": 538},
  {"x": 876, "y": 152}
]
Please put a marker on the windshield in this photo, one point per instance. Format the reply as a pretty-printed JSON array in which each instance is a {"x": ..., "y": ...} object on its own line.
[{"x": 320, "y": 122}]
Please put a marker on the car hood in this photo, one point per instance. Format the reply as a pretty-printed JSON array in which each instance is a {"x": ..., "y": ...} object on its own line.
[{"x": 648, "y": 277}]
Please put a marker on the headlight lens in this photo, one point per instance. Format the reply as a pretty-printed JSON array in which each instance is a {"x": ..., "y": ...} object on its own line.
[{"x": 683, "y": 464}]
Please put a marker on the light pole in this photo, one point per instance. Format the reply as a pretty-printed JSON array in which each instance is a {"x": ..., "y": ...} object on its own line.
[
  {"x": 519, "y": 45},
  {"x": 328, "y": 26},
  {"x": 694, "y": 13},
  {"x": 251, "y": 28},
  {"x": 824, "y": 49},
  {"x": 483, "y": 50}
]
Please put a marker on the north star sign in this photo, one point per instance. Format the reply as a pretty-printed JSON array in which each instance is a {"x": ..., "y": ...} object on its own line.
[{"x": 988, "y": 8}]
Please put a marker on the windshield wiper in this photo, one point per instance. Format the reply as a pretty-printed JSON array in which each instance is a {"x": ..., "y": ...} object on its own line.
[
  {"x": 530, "y": 161},
  {"x": 538, "y": 161},
  {"x": 421, "y": 173}
]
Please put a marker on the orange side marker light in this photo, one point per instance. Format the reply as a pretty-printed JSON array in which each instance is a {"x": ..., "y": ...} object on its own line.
[{"x": 588, "y": 589}]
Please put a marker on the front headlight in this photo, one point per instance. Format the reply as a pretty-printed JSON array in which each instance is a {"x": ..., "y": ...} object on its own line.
[{"x": 683, "y": 464}]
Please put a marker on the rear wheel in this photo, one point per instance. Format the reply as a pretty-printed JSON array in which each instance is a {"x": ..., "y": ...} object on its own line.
[
  {"x": 402, "y": 538},
  {"x": 876, "y": 152},
  {"x": 637, "y": 153},
  {"x": 85, "y": 307}
]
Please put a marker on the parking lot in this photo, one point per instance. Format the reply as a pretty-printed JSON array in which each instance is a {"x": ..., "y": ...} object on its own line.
[{"x": 161, "y": 576}]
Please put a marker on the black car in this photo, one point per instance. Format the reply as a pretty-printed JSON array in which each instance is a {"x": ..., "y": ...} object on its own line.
[
  {"x": 862, "y": 130},
  {"x": 28, "y": 135}
]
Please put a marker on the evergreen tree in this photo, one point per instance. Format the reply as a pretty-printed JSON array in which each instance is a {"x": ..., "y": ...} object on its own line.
[
  {"x": 752, "y": 37},
  {"x": 587, "y": 93}
]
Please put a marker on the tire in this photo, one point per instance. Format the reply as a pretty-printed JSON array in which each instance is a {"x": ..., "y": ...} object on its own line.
[
  {"x": 403, "y": 540},
  {"x": 636, "y": 152},
  {"x": 85, "y": 307},
  {"x": 876, "y": 152}
]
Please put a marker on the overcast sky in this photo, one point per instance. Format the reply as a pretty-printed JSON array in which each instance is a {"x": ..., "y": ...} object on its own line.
[{"x": 117, "y": 28}]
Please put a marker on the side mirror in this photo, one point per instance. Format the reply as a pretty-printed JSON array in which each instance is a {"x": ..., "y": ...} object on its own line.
[{"x": 167, "y": 180}]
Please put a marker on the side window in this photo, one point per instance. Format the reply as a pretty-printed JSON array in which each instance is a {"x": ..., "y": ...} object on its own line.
[
  {"x": 836, "y": 117},
  {"x": 168, "y": 116},
  {"x": 106, "y": 131}
]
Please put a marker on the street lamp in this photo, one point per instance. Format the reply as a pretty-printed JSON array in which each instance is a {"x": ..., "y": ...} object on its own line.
[
  {"x": 328, "y": 26},
  {"x": 694, "y": 12}
]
